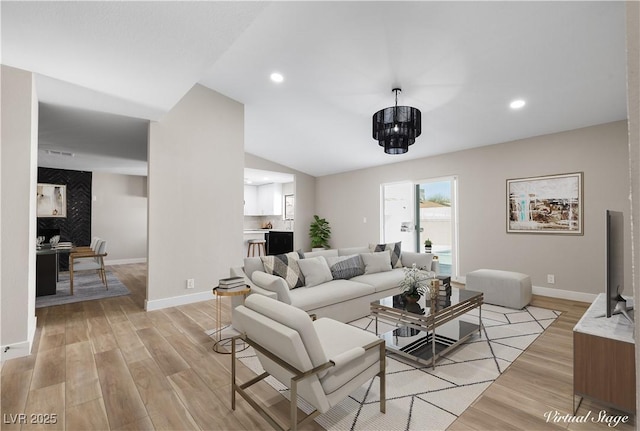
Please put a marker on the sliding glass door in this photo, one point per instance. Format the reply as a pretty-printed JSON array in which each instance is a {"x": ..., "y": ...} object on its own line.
[{"x": 416, "y": 211}]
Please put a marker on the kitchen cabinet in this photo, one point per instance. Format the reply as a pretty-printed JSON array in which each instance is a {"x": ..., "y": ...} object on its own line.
[
  {"x": 263, "y": 200},
  {"x": 250, "y": 200}
]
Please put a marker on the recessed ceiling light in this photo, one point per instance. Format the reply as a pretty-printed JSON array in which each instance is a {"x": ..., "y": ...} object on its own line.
[
  {"x": 517, "y": 104},
  {"x": 277, "y": 77}
]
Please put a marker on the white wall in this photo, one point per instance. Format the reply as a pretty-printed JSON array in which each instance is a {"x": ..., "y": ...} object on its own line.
[
  {"x": 195, "y": 189},
  {"x": 577, "y": 262},
  {"x": 18, "y": 218},
  {"x": 305, "y": 195},
  {"x": 633, "y": 103},
  {"x": 119, "y": 215}
]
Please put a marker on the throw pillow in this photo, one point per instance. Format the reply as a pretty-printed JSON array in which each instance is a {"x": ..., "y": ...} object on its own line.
[
  {"x": 345, "y": 267},
  {"x": 285, "y": 266},
  {"x": 376, "y": 262},
  {"x": 315, "y": 270},
  {"x": 396, "y": 251}
]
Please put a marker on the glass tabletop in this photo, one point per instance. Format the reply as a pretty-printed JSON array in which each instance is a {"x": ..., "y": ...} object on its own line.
[{"x": 446, "y": 298}]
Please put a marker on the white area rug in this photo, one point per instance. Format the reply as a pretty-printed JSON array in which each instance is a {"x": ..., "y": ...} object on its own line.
[{"x": 420, "y": 398}]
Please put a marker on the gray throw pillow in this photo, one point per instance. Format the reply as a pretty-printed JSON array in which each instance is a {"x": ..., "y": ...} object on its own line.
[
  {"x": 345, "y": 267},
  {"x": 315, "y": 271},
  {"x": 376, "y": 262},
  {"x": 395, "y": 248}
]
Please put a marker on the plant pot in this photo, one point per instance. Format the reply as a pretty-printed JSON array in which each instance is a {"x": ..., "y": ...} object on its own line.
[
  {"x": 411, "y": 299},
  {"x": 427, "y": 249}
]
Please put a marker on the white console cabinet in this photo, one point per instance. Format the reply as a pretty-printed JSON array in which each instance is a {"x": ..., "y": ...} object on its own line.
[{"x": 604, "y": 358}]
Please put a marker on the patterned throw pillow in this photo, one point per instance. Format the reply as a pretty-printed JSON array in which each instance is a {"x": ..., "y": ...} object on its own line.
[
  {"x": 396, "y": 251},
  {"x": 345, "y": 267},
  {"x": 285, "y": 266}
]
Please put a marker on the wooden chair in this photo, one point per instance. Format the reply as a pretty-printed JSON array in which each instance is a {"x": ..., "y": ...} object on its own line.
[
  {"x": 89, "y": 261},
  {"x": 88, "y": 248}
]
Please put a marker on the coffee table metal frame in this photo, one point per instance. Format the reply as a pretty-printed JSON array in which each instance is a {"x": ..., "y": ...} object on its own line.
[{"x": 428, "y": 323}]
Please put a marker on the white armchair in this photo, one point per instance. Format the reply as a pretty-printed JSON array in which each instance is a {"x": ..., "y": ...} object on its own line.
[{"x": 322, "y": 361}]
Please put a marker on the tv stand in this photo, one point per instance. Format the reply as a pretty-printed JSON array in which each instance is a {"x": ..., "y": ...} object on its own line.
[
  {"x": 604, "y": 358},
  {"x": 622, "y": 308}
]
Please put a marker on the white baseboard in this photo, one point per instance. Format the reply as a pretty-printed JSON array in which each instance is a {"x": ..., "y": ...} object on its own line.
[
  {"x": 18, "y": 350},
  {"x": 552, "y": 293},
  {"x": 564, "y": 294},
  {"x": 157, "y": 304},
  {"x": 125, "y": 261}
]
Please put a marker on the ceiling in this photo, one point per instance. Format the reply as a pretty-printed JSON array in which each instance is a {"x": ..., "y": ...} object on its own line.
[
  {"x": 460, "y": 63},
  {"x": 257, "y": 177}
]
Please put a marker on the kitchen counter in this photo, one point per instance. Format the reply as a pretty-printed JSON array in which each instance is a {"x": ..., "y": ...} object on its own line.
[{"x": 279, "y": 241}]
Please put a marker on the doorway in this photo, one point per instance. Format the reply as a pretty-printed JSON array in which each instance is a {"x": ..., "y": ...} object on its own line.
[{"x": 415, "y": 211}]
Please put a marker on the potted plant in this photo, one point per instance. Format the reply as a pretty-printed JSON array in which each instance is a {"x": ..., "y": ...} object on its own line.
[
  {"x": 414, "y": 284},
  {"x": 427, "y": 245},
  {"x": 319, "y": 232}
]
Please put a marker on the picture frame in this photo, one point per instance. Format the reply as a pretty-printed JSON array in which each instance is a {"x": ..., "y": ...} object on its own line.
[
  {"x": 289, "y": 203},
  {"x": 51, "y": 200},
  {"x": 550, "y": 204}
]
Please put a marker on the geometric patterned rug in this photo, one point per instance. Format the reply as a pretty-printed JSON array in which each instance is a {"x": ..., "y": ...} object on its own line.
[
  {"x": 424, "y": 399},
  {"x": 86, "y": 287}
]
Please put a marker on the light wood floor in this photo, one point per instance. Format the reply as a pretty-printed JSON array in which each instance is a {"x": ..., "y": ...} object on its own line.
[{"x": 109, "y": 365}]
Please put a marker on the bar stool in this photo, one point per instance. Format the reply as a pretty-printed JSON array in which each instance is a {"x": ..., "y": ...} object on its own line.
[{"x": 253, "y": 243}]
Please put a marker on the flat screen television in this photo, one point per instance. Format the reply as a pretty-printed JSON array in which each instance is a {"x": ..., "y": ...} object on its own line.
[{"x": 615, "y": 264}]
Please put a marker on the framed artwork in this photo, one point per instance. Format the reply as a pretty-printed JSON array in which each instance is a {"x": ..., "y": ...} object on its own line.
[
  {"x": 551, "y": 204},
  {"x": 288, "y": 207},
  {"x": 51, "y": 200}
]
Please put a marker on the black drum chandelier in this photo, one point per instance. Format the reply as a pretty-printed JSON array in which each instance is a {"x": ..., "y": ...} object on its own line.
[{"x": 397, "y": 127}]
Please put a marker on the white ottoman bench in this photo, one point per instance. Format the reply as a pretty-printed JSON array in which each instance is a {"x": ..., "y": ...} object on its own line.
[{"x": 505, "y": 288}]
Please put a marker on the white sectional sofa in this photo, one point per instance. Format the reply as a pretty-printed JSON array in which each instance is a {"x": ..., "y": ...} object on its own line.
[{"x": 341, "y": 299}]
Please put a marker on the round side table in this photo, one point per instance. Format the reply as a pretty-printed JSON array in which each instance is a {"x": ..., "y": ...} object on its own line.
[{"x": 221, "y": 293}]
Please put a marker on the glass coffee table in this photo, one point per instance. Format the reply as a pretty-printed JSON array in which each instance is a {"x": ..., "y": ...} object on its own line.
[{"x": 423, "y": 334}]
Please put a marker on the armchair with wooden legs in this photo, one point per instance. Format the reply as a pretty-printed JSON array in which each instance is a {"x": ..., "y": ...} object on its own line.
[
  {"x": 321, "y": 361},
  {"x": 89, "y": 260}
]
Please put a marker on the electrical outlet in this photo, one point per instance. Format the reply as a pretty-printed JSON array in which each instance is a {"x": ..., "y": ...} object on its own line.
[
  {"x": 551, "y": 279},
  {"x": 191, "y": 283}
]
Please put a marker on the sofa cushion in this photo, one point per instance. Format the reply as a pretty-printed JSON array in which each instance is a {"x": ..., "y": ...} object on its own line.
[
  {"x": 336, "y": 339},
  {"x": 395, "y": 248},
  {"x": 252, "y": 264},
  {"x": 345, "y": 267},
  {"x": 329, "y": 293},
  {"x": 285, "y": 266},
  {"x": 382, "y": 280},
  {"x": 324, "y": 253},
  {"x": 353, "y": 250},
  {"x": 315, "y": 270}
]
